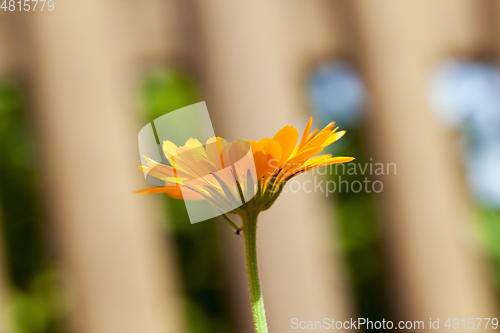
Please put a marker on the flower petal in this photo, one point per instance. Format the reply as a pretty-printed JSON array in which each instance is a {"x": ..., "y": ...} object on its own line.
[
  {"x": 259, "y": 157},
  {"x": 305, "y": 135},
  {"x": 173, "y": 191},
  {"x": 316, "y": 141},
  {"x": 273, "y": 156},
  {"x": 333, "y": 137},
  {"x": 169, "y": 150},
  {"x": 214, "y": 152},
  {"x": 298, "y": 160},
  {"x": 287, "y": 137},
  {"x": 311, "y": 166}
]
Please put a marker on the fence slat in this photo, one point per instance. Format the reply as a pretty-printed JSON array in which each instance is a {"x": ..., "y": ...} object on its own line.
[
  {"x": 122, "y": 277},
  {"x": 254, "y": 83},
  {"x": 436, "y": 264}
]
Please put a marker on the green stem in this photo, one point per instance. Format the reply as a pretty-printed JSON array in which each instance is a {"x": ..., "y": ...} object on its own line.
[
  {"x": 258, "y": 311},
  {"x": 231, "y": 223}
]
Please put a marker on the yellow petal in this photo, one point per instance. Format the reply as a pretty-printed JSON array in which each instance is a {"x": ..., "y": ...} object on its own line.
[
  {"x": 305, "y": 135},
  {"x": 259, "y": 157},
  {"x": 317, "y": 141},
  {"x": 169, "y": 150},
  {"x": 197, "y": 160},
  {"x": 236, "y": 151},
  {"x": 214, "y": 152},
  {"x": 328, "y": 127},
  {"x": 333, "y": 137},
  {"x": 192, "y": 143},
  {"x": 287, "y": 137},
  {"x": 318, "y": 159},
  {"x": 159, "y": 170},
  {"x": 311, "y": 135},
  {"x": 173, "y": 191},
  {"x": 222, "y": 144},
  {"x": 298, "y": 160},
  {"x": 330, "y": 161},
  {"x": 273, "y": 156}
]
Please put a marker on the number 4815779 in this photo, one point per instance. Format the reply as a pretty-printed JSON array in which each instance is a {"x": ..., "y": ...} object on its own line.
[{"x": 27, "y": 5}]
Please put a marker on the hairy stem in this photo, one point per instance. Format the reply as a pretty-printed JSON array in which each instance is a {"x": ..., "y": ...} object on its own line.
[{"x": 258, "y": 311}]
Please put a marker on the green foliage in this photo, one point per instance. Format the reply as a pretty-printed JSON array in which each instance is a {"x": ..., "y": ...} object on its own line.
[
  {"x": 30, "y": 306},
  {"x": 35, "y": 310},
  {"x": 167, "y": 90},
  {"x": 18, "y": 188},
  {"x": 360, "y": 235},
  {"x": 489, "y": 226}
]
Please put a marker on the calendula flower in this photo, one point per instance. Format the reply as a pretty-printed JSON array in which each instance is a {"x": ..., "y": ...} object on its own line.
[
  {"x": 219, "y": 170},
  {"x": 244, "y": 178}
]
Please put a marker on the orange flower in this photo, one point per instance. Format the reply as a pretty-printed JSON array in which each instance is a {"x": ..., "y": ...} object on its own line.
[{"x": 241, "y": 175}]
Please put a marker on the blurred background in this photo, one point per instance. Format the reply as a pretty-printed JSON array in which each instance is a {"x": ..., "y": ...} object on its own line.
[{"x": 415, "y": 83}]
